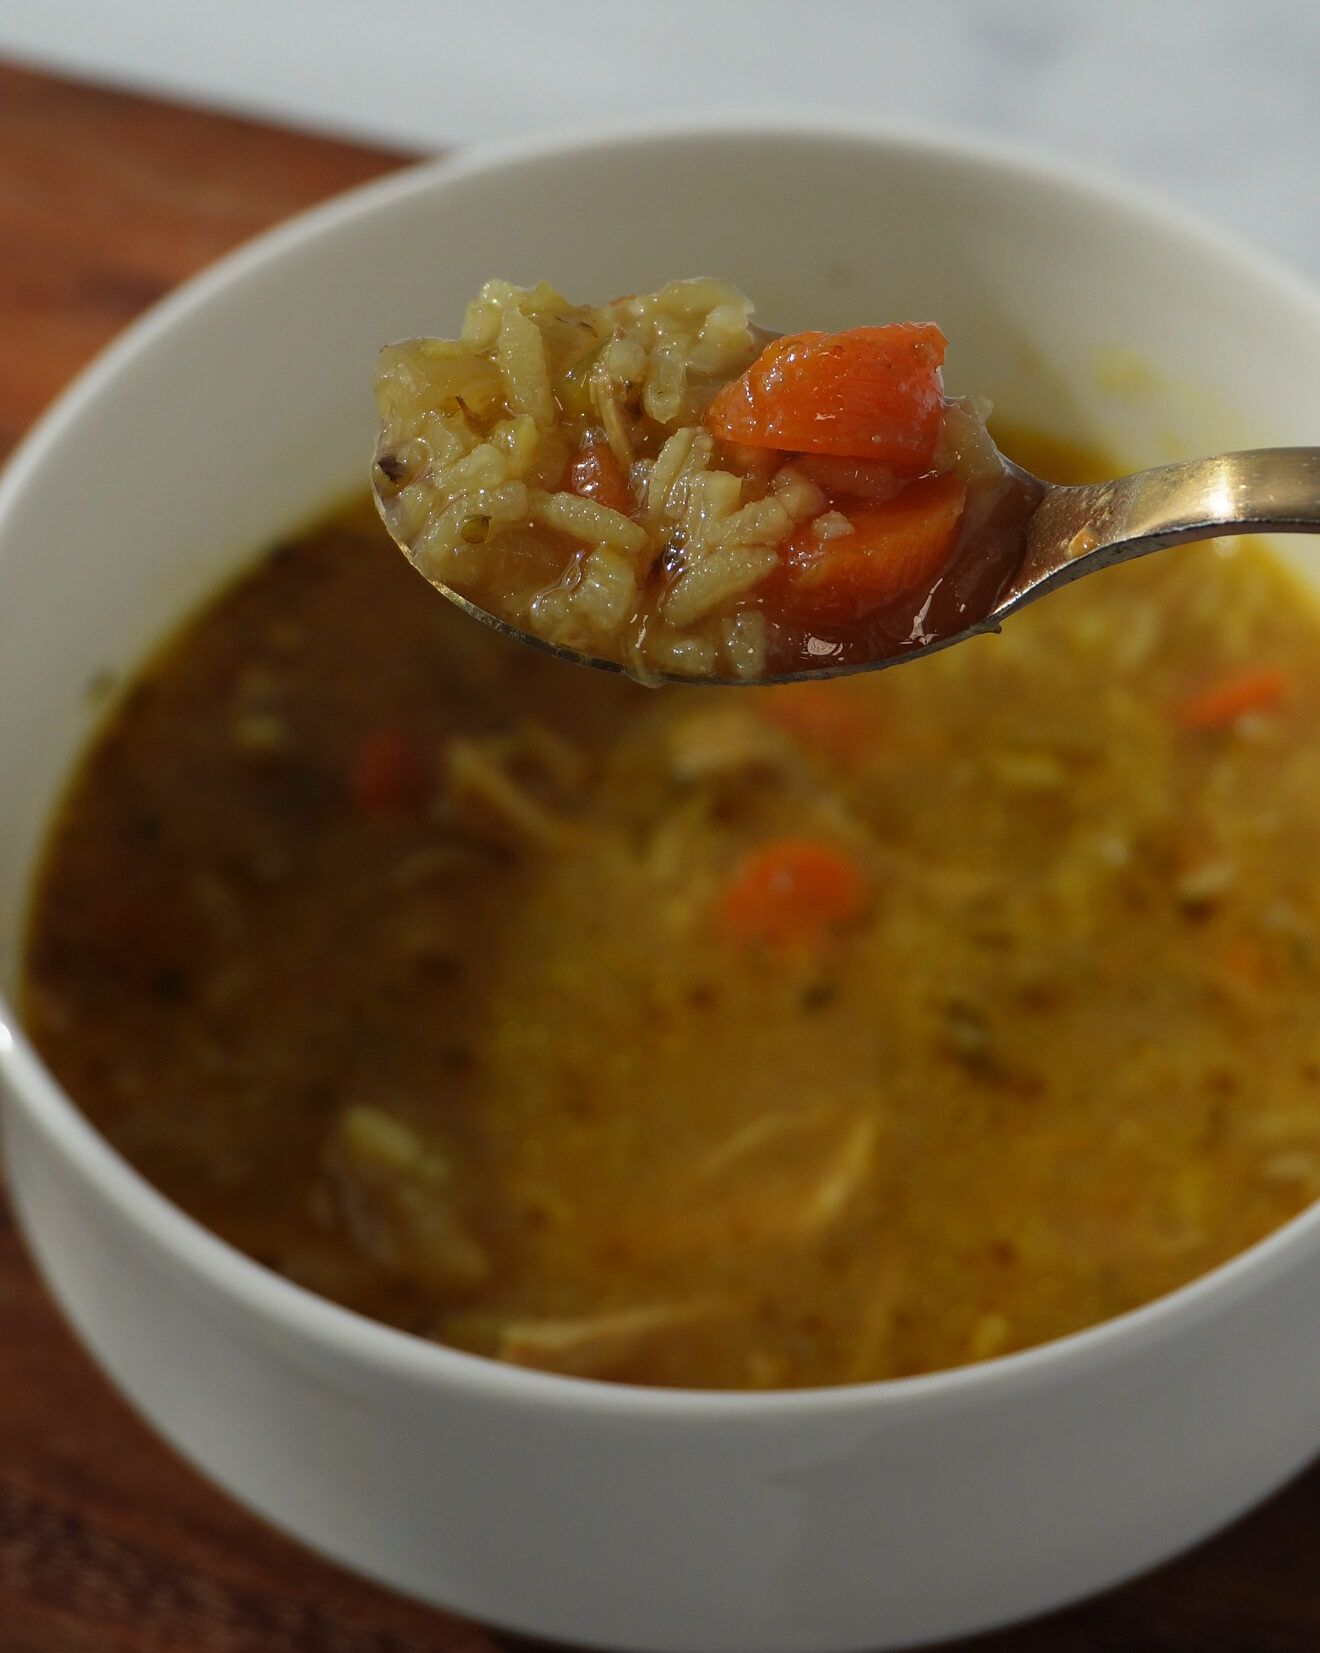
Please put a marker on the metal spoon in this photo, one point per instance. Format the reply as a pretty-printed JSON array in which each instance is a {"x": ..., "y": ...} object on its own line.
[{"x": 1067, "y": 532}]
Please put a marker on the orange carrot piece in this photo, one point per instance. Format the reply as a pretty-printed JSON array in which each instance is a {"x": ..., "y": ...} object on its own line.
[
  {"x": 1242, "y": 961},
  {"x": 596, "y": 474},
  {"x": 896, "y": 547},
  {"x": 794, "y": 890},
  {"x": 826, "y": 717},
  {"x": 383, "y": 778},
  {"x": 871, "y": 393},
  {"x": 1225, "y": 699},
  {"x": 845, "y": 479}
]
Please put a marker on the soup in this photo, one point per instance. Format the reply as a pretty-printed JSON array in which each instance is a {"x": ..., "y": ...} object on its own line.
[{"x": 813, "y": 1035}]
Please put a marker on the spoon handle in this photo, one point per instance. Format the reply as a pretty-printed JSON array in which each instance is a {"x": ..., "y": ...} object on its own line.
[{"x": 1075, "y": 531}]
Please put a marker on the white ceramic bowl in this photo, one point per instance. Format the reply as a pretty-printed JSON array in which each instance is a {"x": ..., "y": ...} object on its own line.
[{"x": 834, "y": 1519}]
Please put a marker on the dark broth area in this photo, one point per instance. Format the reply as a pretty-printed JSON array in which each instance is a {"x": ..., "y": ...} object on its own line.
[{"x": 400, "y": 957}]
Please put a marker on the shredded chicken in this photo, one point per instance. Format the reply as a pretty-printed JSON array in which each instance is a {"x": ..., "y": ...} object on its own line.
[
  {"x": 592, "y": 1344},
  {"x": 788, "y": 1175},
  {"x": 395, "y": 1192},
  {"x": 479, "y": 774}
]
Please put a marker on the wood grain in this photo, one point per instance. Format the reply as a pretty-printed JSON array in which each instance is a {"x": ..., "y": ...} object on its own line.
[
  {"x": 108, "y": 201},
  {"x": 108, "y": 1542}
]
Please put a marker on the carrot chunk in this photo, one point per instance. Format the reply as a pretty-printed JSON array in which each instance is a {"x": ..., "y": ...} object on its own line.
[
  {"x": 1225, "y": 699},
  {"x": 826, "y": 717},
  {"x": 795, "y": 890},
  {"x": 871, "y": 393},
  {"x": 895, "y": 547},
  {"x": 383, "y": 777},
  {"x": 852, "y": 478},
  {"x": 596, "y": 474}
]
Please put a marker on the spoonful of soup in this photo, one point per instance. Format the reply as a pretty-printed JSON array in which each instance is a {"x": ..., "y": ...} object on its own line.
[{"x": 660, "y": 487}]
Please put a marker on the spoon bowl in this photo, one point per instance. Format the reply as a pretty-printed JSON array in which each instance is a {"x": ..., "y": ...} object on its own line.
[{"x": 1064, "y": 533}]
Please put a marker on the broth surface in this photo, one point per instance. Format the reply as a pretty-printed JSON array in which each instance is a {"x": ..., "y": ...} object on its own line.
[{"x": 508, "y": 1002}]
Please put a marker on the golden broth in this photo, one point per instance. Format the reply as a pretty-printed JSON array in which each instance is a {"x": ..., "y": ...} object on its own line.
[{"x": 774, "y": 1037}]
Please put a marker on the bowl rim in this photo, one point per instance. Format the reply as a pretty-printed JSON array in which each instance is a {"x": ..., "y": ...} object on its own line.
[{"x": 354, "y": 1337}]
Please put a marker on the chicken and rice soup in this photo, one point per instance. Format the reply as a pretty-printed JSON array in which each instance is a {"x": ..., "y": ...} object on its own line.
[{"x": 817, "y": 1034}]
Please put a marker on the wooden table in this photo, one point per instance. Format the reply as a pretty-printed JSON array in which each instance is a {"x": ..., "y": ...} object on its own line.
[{"x": 108, "y": 1543}]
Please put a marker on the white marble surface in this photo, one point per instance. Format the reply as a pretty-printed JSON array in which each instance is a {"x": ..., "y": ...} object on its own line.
[{"x": 1215, "y": 103}]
